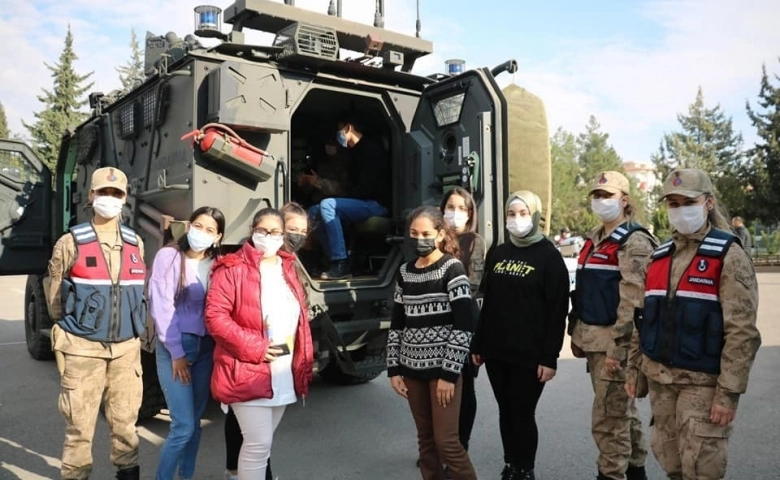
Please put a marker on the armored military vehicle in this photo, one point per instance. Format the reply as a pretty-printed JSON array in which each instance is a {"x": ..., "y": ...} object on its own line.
[{"x": 263, "y": 110}]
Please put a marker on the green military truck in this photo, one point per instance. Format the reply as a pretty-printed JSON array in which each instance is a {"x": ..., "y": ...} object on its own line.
[{"x": 455, "y": 128}]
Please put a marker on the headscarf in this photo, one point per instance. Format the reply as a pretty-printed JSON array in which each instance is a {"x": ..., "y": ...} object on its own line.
[{"x": 534, "y": 204}]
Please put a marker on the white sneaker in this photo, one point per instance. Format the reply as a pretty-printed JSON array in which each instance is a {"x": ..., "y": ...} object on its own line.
[{"x": 230, "y": 476}]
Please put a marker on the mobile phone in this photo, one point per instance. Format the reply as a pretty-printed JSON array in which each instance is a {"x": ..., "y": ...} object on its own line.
[{"x": 283, "y": 347}]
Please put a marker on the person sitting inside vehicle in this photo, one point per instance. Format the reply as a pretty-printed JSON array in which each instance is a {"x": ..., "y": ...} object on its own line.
[{"x": 367, "y": 195}]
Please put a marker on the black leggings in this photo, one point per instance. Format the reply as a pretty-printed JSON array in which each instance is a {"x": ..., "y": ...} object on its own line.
[
  {"x": 517, "y": 391},
  {"x": 233, "y": 442},
  {"x": 468, "y": 405}
]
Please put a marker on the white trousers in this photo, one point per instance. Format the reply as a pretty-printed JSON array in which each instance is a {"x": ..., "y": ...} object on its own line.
[{"x": 258, "y": 425}]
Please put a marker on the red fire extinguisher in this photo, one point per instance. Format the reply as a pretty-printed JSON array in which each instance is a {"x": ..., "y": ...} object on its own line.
[{"x": 219, "y": 142}]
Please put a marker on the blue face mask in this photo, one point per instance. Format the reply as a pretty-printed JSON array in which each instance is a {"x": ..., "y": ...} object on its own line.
[{"x": 341, "y": 138}]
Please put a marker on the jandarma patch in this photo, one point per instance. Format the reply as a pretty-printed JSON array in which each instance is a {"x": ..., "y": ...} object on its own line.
[{"x": 137, "y": 271}]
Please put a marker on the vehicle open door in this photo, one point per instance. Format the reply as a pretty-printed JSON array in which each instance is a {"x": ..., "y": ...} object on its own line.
[
  {"x": 457, "y": 138},
  {"x": 25, "y": 210}
]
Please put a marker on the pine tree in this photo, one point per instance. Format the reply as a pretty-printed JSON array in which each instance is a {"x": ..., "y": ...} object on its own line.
[
  {"x": 707, "y": 141},
  {"x": 132, "y": 73},
  {"x": 766, "y": 154},
  {"x": 61, "y": 105},
  {"x": 596, "y": 154},
  {"x": 4, "y": 132}
]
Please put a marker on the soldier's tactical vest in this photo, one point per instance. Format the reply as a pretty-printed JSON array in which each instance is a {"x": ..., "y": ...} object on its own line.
[
  {"x": 93, "y": 306},
  {"x": 684, "y": 329},
  {"x": 598, "y": 278}
]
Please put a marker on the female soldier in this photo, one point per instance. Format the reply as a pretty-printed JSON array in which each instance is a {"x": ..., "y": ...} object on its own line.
[
  {"x": 697, "y": 334},
  {"x": 460, "y": 214},
  {"x": 177, "y": 294},
  {"x": 257, "y": 312},
  {"x": 610, "y": 278},
  {"x": 521, "y": 327}
]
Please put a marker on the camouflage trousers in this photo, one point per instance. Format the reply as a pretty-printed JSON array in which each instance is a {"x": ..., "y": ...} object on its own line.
[
  {"x": 616, "y": 427},
  {"x": 86, "y": 382},
  {"x": 685, "y": 443}
]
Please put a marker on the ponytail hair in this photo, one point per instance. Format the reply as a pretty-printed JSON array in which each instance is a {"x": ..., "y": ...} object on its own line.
[
  {"x": 449, "y": 244},
  {"x": 718, "y": 217}
]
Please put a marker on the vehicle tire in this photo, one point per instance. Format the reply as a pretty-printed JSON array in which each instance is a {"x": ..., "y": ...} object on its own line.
[
  {"x": 153, "y": 399},
  {"x": 333, "y": 374},
  {"x": 36, "y": 317}
]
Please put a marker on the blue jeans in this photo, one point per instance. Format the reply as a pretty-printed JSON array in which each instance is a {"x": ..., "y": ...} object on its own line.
[
  {"x": 186, "y": 404},
  {"x": 333, "y": 211}
]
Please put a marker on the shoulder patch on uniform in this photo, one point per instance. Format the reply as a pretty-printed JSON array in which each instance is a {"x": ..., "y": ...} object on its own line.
[
  {"x": 716, "y": 243},
  {"x": 664, "y": 249},
  {"x": 128, "y": 235},
  {"x": 83, "y": 233}
]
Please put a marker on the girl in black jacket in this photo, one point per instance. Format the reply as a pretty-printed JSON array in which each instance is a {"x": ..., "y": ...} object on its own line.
[{"x": 521, "y": 328}]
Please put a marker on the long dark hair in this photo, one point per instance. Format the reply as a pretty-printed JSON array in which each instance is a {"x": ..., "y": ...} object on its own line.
[
  {"x": 449, "y": 244},
  {"x": 467, "y": 239},
  {"x": 183, "y": 244},
  {"x": 299, "y": 273}
]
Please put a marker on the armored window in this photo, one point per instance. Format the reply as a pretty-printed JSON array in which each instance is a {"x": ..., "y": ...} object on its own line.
[
  {"x": 125, "y": 119},
  {"x": 447, "y": 110},
  {"x": 14, "y": 166},
  {"x": 148, "y": 107}
]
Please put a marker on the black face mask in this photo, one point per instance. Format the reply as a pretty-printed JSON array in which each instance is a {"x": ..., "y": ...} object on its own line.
[
  {"x": 423, "y": 246},
  {"x": 296, "y": 241}
]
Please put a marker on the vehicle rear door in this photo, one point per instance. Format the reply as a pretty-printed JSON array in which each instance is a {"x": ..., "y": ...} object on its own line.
[
  {"x": 25, "y": 210},
  {"x": 457, "y": 138}
]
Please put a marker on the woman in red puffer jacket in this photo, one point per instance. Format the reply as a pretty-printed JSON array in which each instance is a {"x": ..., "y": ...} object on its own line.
[{"x": 257, "y": 313}]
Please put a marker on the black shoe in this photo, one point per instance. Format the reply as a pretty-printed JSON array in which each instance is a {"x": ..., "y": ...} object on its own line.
[
  {"x": 636, "y": 473},
  {"x": 601, "y": 476},
  {"x": 132, "y": 473},
  {"x": 268, "y": 474},
  {"x": 513, "y": 473},
  {"x": 338, "y": 270}
]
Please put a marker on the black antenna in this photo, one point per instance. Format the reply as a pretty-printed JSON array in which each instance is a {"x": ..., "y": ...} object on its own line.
[
  {"x": 379, "y": 16},
  {"x": 419, "y": 24},
  {"x": 332, "y": 8}
]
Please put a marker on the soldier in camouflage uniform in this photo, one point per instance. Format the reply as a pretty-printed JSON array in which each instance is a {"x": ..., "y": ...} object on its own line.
[
  {"x": 610, "y": 278},
  {"x": 696, "y": 338},
  {"x": 96, "y": 293}
]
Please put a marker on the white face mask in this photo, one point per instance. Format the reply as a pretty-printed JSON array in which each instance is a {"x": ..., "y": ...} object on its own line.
[
  {"x": 607, "y": 209},
  {"x": 688, "y": 219},
  {"x": 520, "y": 226},
  {"x": 107, "y": 206},
  {"x": 268, "y": 244},
  {"x": 456, "y": 219},
  {"x": 199, "y": 240}
]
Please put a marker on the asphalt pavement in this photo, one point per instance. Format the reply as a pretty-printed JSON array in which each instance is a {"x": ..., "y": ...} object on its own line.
[{"x": 365, "y": 432}]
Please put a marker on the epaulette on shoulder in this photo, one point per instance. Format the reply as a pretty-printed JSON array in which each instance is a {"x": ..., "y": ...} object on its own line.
[
  {"x": 664, "y": 249},
  {"x": 622, "y": 232},
  {"x": 716, "y": 243}
]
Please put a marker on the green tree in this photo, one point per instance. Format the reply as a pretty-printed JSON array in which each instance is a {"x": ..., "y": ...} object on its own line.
[
  {"x": 566, "y": 189},
  {"x": 707, "y": 141},
  {"x": 61, "y": 105},
  {"x": 132, "y": 73},
  {"x": 766, "y": 153},
  {"x": 4, "y": 132}
]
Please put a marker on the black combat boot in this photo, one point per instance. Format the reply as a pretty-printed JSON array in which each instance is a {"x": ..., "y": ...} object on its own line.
[
  {"x": 339, "y": 270},
  {"x": 132, "y": 473},
  {"x": 636, "y": 473}
]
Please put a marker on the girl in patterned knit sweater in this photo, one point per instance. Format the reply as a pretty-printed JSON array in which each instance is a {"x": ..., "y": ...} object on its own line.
[{"x": 430, "y": 335}]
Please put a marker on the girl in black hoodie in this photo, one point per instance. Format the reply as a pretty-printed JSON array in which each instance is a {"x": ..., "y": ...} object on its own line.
[{"x": 521, "y": 328}]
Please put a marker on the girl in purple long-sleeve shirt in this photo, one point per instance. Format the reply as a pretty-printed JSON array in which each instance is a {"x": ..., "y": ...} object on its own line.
[{"x": 177, "y": 294}]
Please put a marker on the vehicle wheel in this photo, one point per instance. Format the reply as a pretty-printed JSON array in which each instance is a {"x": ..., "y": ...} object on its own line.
[
  {"x": 36, "y": 317},
  {"x": 153, "y": 399},
  {"x": 368, "y": 366}
]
